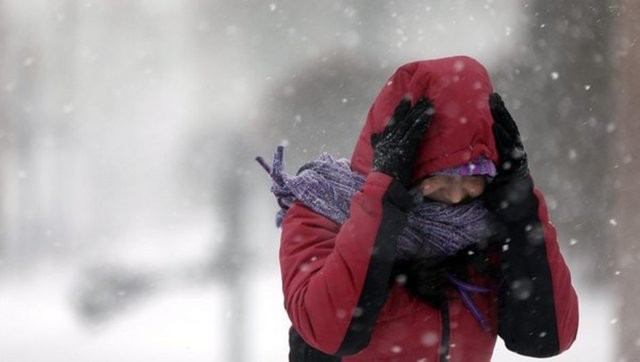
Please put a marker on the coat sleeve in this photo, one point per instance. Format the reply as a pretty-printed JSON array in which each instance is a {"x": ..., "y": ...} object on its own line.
[
  {"x": 538, "y": 306},
  {"x": 335, "y": 278}
]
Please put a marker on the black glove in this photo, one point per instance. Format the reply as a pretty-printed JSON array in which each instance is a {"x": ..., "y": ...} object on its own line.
[
  {"x": 526, "y": 309},
  {"x": 512, "y": 185},
  {"x": 396, "y": 147}
]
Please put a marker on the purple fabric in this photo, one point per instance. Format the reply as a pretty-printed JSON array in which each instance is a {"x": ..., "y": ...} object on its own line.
[
  {"x": 327, "y": 185},
  {"x": 465, "y": 289},
  {"x": 479, "y": 166}
]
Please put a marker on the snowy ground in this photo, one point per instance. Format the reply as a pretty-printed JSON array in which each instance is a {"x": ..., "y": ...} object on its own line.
[{"x": 188, "y": 323}]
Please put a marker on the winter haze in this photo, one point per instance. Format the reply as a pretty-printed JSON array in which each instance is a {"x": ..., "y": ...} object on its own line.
[{"x": 136, "y": 225}]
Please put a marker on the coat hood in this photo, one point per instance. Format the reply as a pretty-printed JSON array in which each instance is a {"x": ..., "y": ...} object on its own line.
[{"x": 461, "y": 128}]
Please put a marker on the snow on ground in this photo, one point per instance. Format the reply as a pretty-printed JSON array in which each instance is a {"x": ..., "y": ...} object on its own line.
[
  {"x": 189, "y": 323},
  {"x": 37, "y": 324}
]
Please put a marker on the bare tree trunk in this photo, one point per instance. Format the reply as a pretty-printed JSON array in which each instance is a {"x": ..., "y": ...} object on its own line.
[
  {"x": 234, "y": 258},
  {"x": 56, "y": 130},
  {"x": 36, "y": 70},
  {"x": 3, "y": 139},
  {"x": 21, "y": 100},
  {"x": 225, "y": 152},
  {"x": 628, "y": 174}
]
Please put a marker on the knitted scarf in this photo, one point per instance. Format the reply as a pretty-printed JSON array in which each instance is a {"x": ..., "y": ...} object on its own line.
[{"x": 326, "y": 186}]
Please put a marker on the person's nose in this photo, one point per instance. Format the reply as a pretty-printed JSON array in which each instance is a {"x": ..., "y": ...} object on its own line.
[{"x": 456, "y": 195}]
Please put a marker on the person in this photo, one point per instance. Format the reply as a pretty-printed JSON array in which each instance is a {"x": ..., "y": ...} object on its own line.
[{"x": 431, "y": 241}]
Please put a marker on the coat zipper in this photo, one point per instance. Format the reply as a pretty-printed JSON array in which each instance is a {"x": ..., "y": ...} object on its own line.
[{"x": 446, "y": 331}]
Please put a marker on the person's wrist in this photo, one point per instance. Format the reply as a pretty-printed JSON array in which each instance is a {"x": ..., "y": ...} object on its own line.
[{"x": 387, "y": 165}]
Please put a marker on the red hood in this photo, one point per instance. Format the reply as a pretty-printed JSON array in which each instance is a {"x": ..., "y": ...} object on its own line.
[{"x": 460, "y": 130}]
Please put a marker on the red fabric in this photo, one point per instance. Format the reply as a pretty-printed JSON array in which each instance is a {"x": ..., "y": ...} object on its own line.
[
  {"x": 323, "y": 269},
  {"x": 324, "y": 265},
  {"x": 460, "y": 130},
  {"x": 565, "y": 297}
]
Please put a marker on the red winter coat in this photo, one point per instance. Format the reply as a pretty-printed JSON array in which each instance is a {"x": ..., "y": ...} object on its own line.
[{"x": 336, "y": 277}]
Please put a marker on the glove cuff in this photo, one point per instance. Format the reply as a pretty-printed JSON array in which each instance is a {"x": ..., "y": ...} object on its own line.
[{"x": 510, "y": 199}]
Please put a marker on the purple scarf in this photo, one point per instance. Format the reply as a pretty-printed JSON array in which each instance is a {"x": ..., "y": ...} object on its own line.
[
  {"x": 434, "y": 229},
  {"x": 326, "y": 186}
]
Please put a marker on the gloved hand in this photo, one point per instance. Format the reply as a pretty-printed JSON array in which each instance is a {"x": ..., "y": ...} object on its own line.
[
  {"x": 526, "y": 294},
  {"x": 513, "y": 184},
  {"x": 396, "y": 147}
]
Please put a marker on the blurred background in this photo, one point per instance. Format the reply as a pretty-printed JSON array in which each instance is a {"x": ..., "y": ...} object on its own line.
[{"x": 136, "y": 226}]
